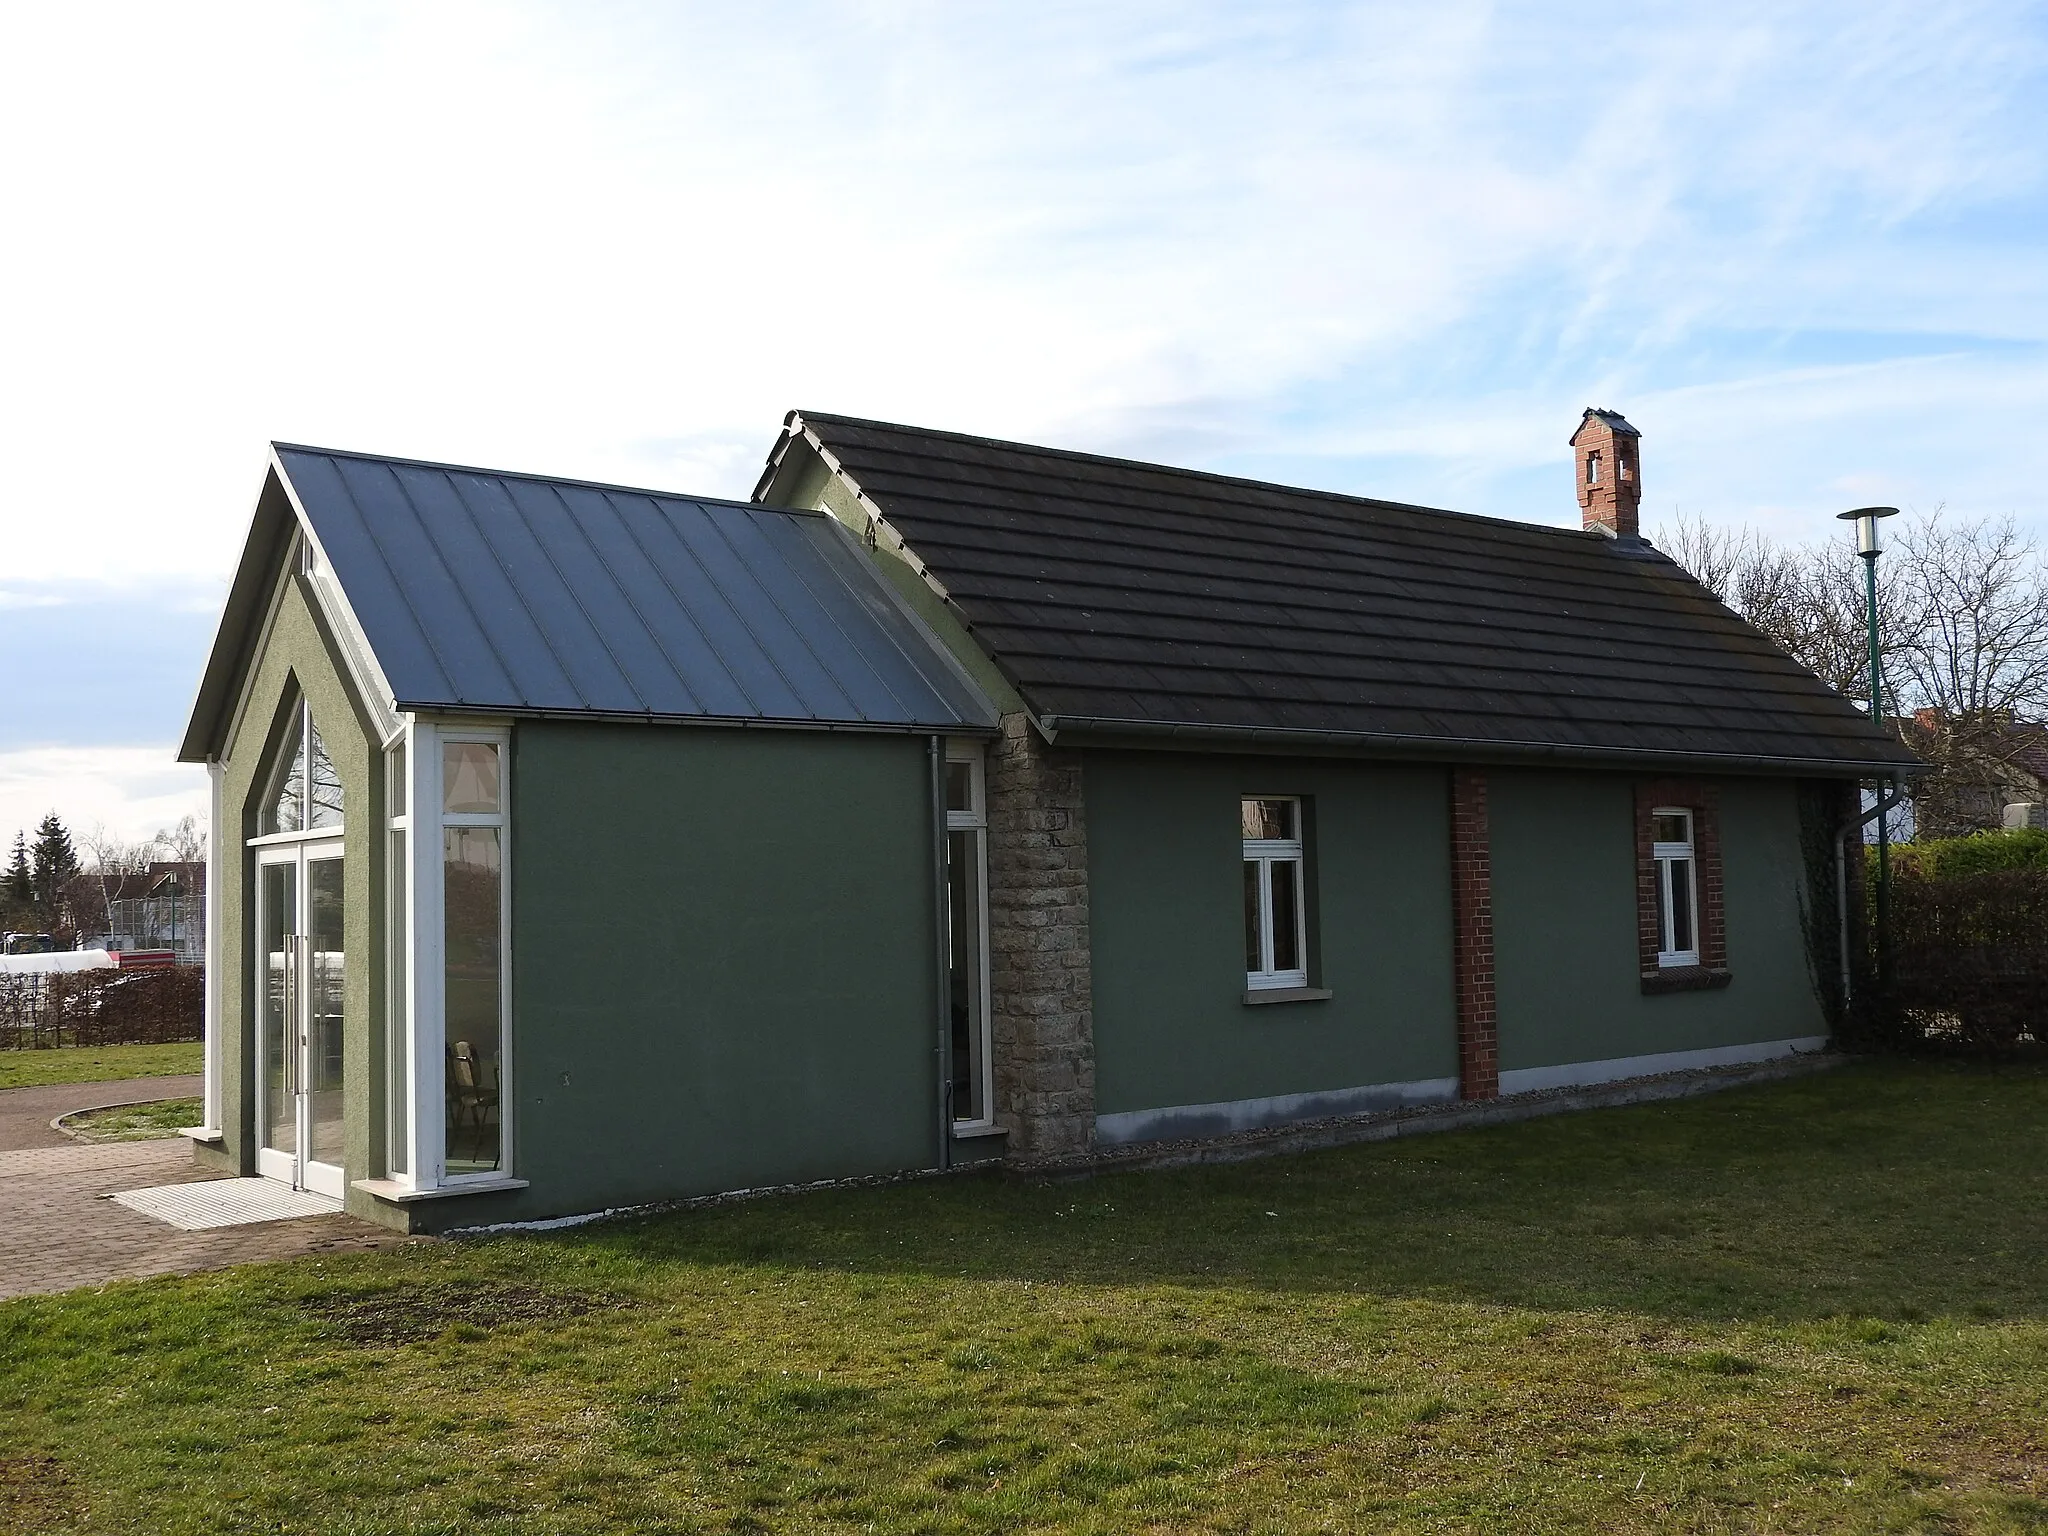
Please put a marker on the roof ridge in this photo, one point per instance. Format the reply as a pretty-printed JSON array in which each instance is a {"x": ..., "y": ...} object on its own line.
[
  {"x": 541, "y": 479},
  {"x": 1075, "y": 454}
]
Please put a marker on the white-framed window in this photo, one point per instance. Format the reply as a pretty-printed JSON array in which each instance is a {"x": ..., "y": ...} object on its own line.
[
  {"x": 449, "y": 906},
  {"x": 303, "y": 797},
  {"x": 475, "y": 969},
  {"x": 973, "y": 1086},
  {"x": 1275, "y": 893},
  {"x": 1671, "y": 846},
  {"x": 398, "y": 1046}
]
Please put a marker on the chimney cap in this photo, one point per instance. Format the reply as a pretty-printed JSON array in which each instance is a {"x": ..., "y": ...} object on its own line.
[{"x": 1613, "y": 420}]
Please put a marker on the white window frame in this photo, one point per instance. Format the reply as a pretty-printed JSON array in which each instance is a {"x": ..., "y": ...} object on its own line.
[
  {"x": 1668, "y": 856},
  {"x": 218, "y": 864},
  {"x": 274, "y": 776},
  {"x": 427, "y": 1128},
  {"x": 1266, "y": 852},
  {"x": 975, "y": 820},
  {"x": 399, "y": 941}
]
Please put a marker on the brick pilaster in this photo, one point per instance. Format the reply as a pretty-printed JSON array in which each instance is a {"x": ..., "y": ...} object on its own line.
[
  {"x": 1042, "y": 1012},
  {"x": 1472, "y": 935}
]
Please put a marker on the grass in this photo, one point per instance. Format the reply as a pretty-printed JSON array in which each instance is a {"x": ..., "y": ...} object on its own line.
[
  {"x": 136, "y": 1122},
  {"x": 97, "y": 1064},
  {"x": 1820, "y": 1306}
]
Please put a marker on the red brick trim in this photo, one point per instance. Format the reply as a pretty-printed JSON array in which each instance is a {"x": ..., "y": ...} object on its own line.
[
  {"x": 1704, "y": 801},
  {"x": 1472, "y": 936}
]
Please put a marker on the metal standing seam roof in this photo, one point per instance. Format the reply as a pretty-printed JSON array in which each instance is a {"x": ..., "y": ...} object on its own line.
[
  {"x": 1137, "y": 598},
  {"x": 481, "y": 591}
]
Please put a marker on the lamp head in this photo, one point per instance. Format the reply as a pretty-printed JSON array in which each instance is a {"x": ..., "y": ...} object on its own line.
[{"x": 1865, "y": 519}]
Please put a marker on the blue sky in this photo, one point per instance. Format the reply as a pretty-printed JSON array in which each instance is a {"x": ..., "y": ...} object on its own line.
[{"x": 1390, "y": 249}]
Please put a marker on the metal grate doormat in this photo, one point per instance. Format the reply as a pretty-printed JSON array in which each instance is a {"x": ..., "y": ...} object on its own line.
[{"x": 226, "y": 1203}]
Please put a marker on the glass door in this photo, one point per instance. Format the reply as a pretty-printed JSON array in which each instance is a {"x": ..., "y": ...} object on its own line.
[
  {"x": 277, "y": 1054},
  {"x": 302, "y": 991}
]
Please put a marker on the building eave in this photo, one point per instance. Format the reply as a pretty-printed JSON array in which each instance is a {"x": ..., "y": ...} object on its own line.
[{"x": 1192, "y": 736}]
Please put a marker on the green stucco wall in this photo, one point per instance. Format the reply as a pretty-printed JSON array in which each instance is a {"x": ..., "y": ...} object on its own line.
[
  {"x": 723, "y": 954},
  {"x": 1165, "y": 874},
  {"x": 1171, "y": 1027},
  {"x": 1564, "y": 924},
  {"x": 722, "y": 963},
  {"x": 298, "y": 657}
]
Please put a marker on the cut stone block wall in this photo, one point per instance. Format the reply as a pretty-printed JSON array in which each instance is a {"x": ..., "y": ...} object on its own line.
[{"x": 1040, "y": 976}]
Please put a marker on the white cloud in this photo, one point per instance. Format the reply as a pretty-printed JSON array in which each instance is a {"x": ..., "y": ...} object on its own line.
[
  {"x": 1397, "y": 245},
  {"x": 133, "y": 792}
]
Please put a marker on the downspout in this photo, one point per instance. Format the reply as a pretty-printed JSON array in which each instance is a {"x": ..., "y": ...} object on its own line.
[
  {"x": 942, "y": 974},
  {"x": 1857, "y": 823},
  {"x": 218, "y": 874}
]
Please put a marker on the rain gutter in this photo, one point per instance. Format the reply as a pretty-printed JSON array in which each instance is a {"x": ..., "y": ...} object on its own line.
[{"x": 1461, "y": 748}]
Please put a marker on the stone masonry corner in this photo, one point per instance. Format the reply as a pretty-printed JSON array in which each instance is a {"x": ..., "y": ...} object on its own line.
[{"x": 1040, "y": 976}]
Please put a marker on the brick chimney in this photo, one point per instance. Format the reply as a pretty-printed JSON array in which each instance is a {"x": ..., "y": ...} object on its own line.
[{"x": 1605, "y": 456}]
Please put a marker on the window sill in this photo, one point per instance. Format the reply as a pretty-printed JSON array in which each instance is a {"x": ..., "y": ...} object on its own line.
[
  {"x": 1261, "y": 995},
  {"x": 1686, "y": 978},
  {"x": 404, "y": 1194},
  {"x": 964, "y": 1131},
  {"x": 205, "y": 1135}
]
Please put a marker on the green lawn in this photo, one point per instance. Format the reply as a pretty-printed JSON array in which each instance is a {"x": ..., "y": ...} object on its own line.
[
  {"x": 97, "y": 1063},
  {"x": 136, "y": 1122},
  {"x": 1816, "y": 1306}
]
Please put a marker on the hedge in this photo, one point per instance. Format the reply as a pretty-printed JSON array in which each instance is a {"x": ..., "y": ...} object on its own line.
[{"x": 104, "y": 1007}]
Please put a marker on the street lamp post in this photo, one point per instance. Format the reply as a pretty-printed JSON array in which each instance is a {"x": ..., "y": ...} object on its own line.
[{"x": 1867, "y": 547}]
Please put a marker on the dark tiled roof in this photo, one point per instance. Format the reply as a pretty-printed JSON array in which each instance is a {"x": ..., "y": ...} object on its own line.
[
  {"x": 1613, "y": 419},
  {"x": 1129, "y": 597}
]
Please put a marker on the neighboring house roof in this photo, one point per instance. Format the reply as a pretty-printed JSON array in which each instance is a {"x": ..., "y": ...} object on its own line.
[
  {"x": 1136, "y": 600},
  {"x": 482, "y": 592},
  {"x": 2012, "y": 752},
  {"x": 189, "y": 874}
]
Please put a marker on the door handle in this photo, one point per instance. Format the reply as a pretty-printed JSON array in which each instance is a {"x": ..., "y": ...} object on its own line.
[
  {"x": 293, "y": 1037},
  {"x": 289, "y": 1024},
  {"x": 302, "y": 1023}
]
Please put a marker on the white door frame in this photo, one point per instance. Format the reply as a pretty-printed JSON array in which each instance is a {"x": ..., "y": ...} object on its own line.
[{"x": 296, "y": 1167}]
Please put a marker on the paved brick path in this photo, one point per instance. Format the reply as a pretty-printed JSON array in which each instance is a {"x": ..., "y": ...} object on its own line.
[
  {"x": 26, "y": 1113},
  {"x": 57, "y": 1231}
]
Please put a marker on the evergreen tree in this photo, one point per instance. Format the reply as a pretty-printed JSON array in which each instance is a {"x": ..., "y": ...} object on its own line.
[
  {"x": 17, "y": 892},
  {"x": 53, "y": 864}
]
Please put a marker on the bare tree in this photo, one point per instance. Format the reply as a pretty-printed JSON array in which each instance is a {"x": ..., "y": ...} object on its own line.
[
  {"x": 1715, "y": 557},
  {"x": 1975, "y": 665},
  {"x": 112, "y": 867},
  {"x": 185, "y": 843},
  {"x": 1980, "y": 643},
  {"x": 1808, "y": 598},
  {"x": 1963, "y": 615}
]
